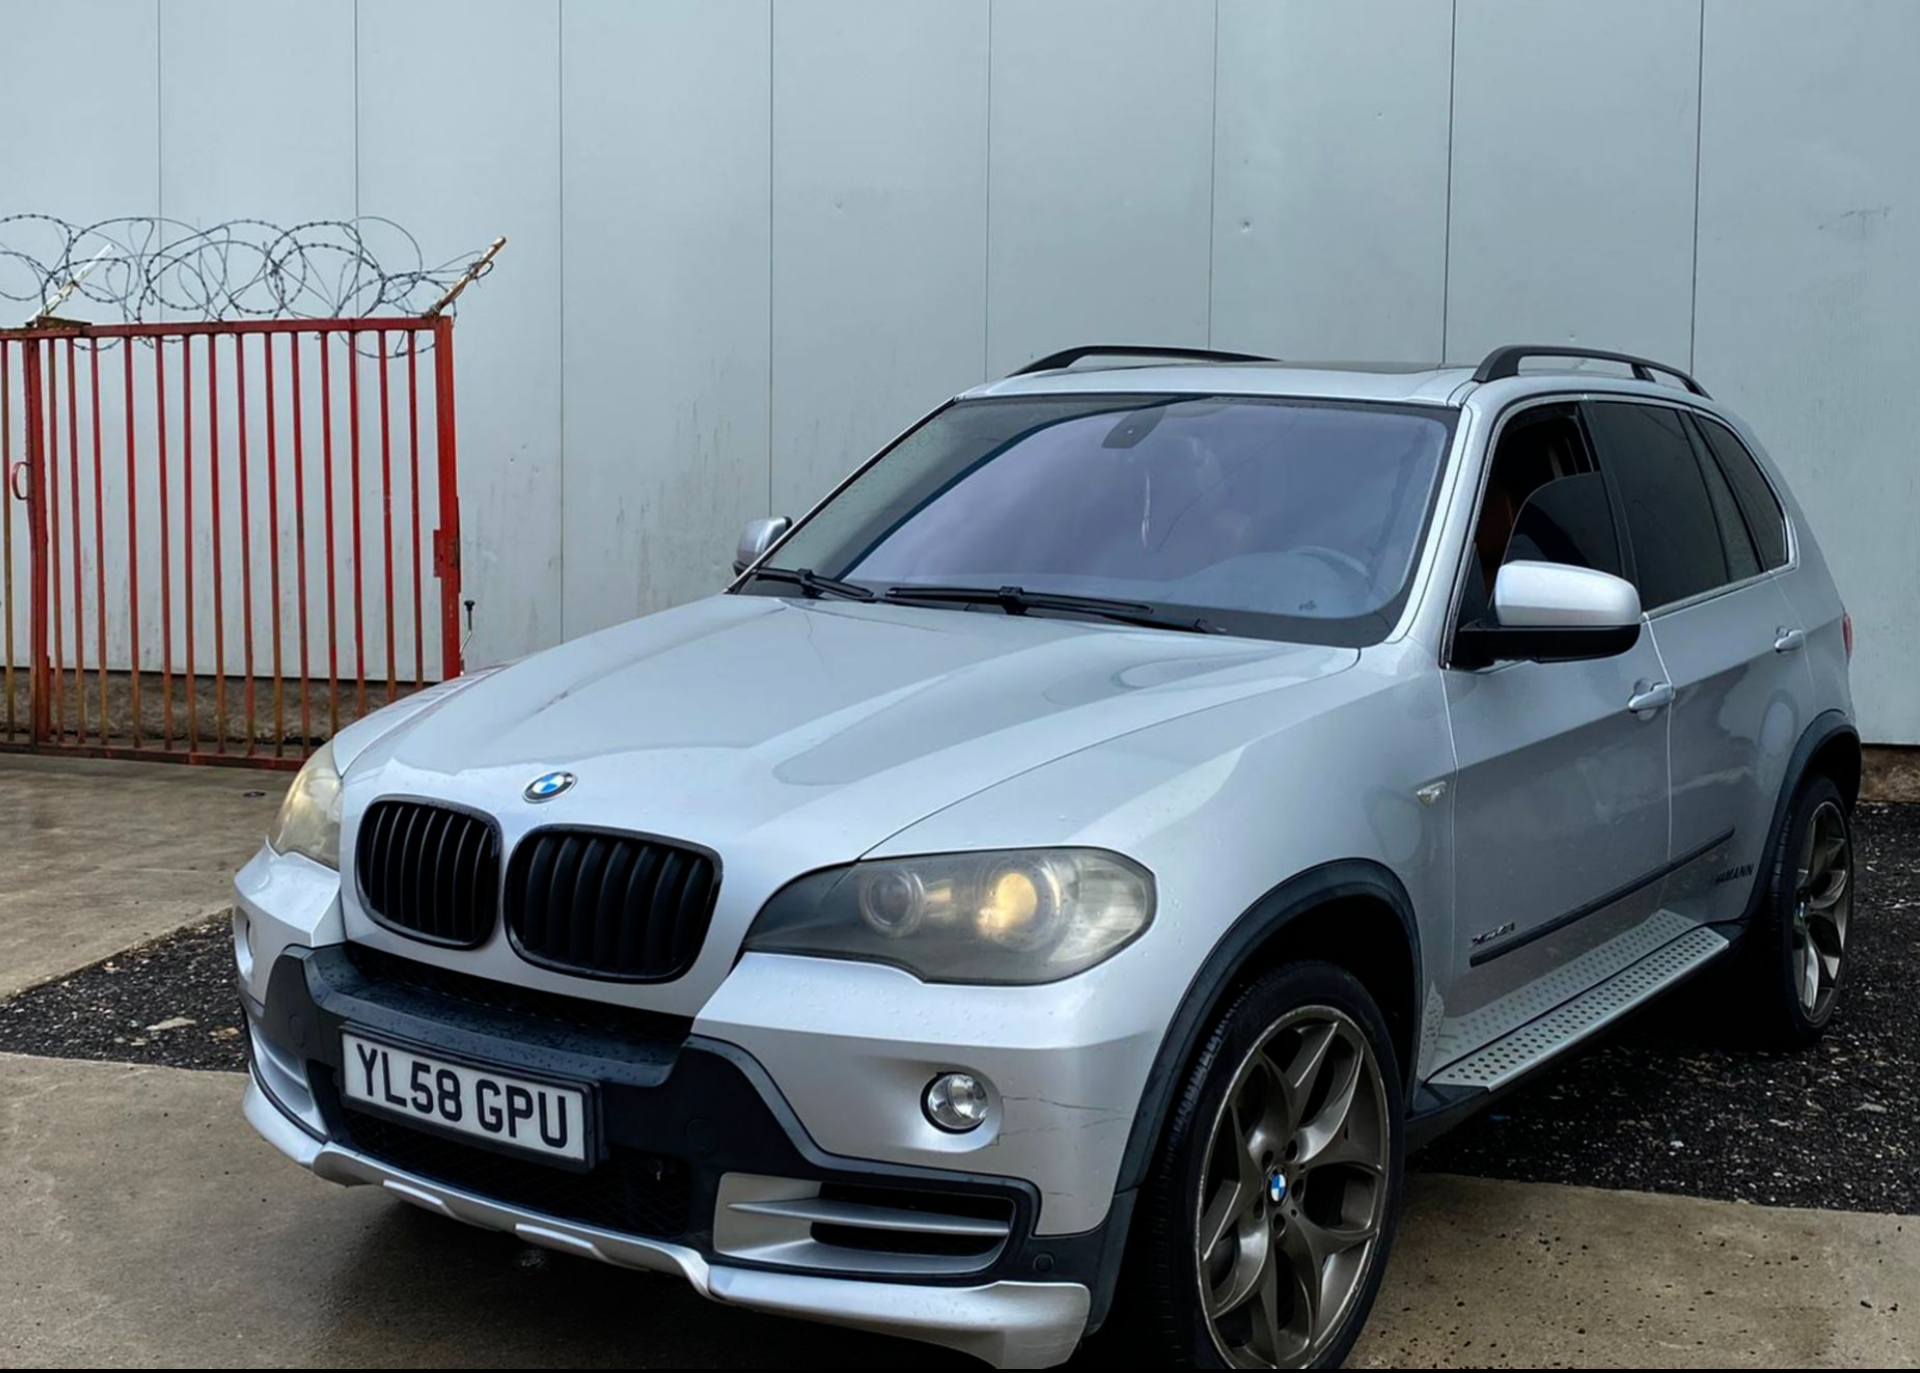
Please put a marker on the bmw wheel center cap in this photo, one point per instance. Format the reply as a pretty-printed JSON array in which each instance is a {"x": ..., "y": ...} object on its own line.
[{"x": 549, "y": 785}]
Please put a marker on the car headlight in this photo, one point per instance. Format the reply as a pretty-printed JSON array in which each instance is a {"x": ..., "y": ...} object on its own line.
[
  {"x": 1011, "y": 916},
  {"x": 309, "y": 819}
]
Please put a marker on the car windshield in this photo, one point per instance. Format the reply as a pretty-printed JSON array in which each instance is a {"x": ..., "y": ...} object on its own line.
[{"x": 1281, "y": 518}]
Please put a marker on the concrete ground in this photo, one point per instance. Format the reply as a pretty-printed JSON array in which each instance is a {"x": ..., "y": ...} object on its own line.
[
  {"x": 99, "y": 855},
  {"x": 146, "y": 1225}
]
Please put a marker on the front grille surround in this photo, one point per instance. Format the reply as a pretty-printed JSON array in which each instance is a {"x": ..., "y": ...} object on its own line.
[
  {"x": 522, "y": 1011},
  {"x": 429, "y": 871},
  {"x": 652, "y": 900}
]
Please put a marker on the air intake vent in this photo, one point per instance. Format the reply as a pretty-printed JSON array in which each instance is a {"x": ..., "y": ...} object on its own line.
[
  {"x": 610, "y": 905},
  {"x": 429, "y": 872}
]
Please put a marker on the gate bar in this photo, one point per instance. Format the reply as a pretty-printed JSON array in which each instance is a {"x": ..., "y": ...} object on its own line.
[
  {"x": 99, "y": 538},
  {"x": 39, "y": 674},
  {"x": 7, "y": 493},
  {"x": 133, "y": 557},
  {"x": 53, "y": 526}
]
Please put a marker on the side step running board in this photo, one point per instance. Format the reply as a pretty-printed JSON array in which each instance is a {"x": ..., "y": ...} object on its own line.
[{"x": 1538, "y": 1040}]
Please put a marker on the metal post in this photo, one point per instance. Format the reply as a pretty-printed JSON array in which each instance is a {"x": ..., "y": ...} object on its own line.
[{"x": 446, "y": 539}]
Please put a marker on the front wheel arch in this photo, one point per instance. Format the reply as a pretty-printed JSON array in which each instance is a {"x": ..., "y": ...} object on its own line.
[{"x": 1343, "y": 912}]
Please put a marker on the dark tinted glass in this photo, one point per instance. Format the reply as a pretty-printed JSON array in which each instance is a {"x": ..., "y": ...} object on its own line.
[
  {"x": 1764, "y": 520},
  {"x": 1735, "y": 542},
  {"x": 1287, "y": 518},
  {"x": 1567, "y": 521},
  {"x": 1670, "y": 522}
]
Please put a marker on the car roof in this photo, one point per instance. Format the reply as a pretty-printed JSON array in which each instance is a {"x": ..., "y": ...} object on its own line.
[
  {"x": 1407, "y": 384},
  {"x": 1382, "y": 383}
]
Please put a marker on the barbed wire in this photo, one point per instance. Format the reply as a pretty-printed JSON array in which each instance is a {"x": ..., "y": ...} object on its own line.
[{"x": 140, "y": 269}]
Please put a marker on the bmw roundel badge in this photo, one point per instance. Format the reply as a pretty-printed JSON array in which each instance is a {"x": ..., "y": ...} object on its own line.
[{"x": 549, "y": 785}]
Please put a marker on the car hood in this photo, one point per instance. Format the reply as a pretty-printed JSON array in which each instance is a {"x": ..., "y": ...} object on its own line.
[{"x": 818, "y": 728}]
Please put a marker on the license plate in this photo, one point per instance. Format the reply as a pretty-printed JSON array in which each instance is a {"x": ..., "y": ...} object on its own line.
[{"x": 543, "y": 1118}]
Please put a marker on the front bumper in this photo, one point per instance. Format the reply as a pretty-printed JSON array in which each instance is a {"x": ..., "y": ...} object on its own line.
[
  {"x": 1008, "y": 1324},
  {"x": 687, "y": 1124}
]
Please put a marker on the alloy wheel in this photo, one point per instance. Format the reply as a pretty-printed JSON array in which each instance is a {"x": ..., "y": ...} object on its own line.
[
  {"x": 1822, "y": 908},
  {"x": 1293, "y": 1194}
]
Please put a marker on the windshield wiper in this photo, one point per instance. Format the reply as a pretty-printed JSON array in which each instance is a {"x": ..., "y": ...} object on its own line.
[
  {"x": 812, "y": 583},
  {"x": 1017, "y": 600}
]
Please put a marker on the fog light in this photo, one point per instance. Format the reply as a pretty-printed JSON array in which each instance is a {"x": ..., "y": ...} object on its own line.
[{"x": 956, "y": 1102}]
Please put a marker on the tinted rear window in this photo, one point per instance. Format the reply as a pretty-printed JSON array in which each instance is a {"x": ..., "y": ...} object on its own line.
[
  {"x": 1764, "y": 520},
  {"x": 1675, "y": 538}
]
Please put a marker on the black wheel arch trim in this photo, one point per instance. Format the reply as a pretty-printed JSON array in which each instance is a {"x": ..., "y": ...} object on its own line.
[
  {"x": 1342, "y": 879},
  {"x": 1822, "y": 730}
]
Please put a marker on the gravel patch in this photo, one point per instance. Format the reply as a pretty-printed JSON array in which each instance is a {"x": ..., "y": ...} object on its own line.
[
  {"x": 172, "y": 1002},
  {"x": 1660, "y": 1106}
]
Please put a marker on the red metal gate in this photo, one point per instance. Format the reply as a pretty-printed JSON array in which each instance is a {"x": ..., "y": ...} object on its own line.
[{"x": 224, "y": 541}]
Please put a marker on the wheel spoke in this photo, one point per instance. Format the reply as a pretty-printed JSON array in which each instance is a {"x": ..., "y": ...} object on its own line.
[
  {"x": 1826, "y": 931},
  {"x": 1833, "y": 886},
  {"x": 1831, "y": 846},
  {"x": 1328, "y": 1127},
  {"x": 1229, "y": 1204},
  {"x": 1350, "y": 1151},
  {"x": 1329, "y": 1241},
  {"x": 1806, "y": 969},
  {"x": 1242, "y": 1281},
  {"x": 1308, "y": 1267},
  {"x": 1271, "y": 1313},
  {"x": 1297, "y": 1077}
]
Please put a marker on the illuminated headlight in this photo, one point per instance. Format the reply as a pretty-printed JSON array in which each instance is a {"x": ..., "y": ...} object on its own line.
[
  {"x": 309, "y": 819},
  {"x": 1015, "y": 916}
]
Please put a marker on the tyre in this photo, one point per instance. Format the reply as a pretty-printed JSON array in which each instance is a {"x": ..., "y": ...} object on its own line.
[
  {"x": 1794, "y": 962},
  {"x": 1264, "y": 1227}
]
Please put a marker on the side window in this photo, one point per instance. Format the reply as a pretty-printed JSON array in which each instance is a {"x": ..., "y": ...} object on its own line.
[
  {"x": 1764, "y": 519},
  {"x": 1735, "y": 541},
  {"x": 1677, "y": 551},
  {"x": 1543, "y": 502}
]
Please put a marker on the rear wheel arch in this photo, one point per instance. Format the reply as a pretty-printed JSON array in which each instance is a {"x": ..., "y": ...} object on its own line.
[
  {"x": 1828, "y": 747},
  {"x": 1353, "y": 913},
  {"x": 1837, "y": 755}
]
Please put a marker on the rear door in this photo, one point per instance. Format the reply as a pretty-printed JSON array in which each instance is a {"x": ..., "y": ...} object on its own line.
[{"x": 1728, "y": 640}]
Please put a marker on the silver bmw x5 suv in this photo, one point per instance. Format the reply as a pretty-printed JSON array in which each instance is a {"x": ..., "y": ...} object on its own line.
[{"x": 1085, "y": 853}]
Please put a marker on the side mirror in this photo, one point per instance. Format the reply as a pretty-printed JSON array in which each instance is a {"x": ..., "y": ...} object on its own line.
[
  {"x": 1552, "y": 613},
  {"x": 756, "y": 539}
]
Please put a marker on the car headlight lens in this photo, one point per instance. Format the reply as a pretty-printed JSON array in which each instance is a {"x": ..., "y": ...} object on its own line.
[
  {"x": 1011, "y": 916},
  {"x": 309, "y": 819}
]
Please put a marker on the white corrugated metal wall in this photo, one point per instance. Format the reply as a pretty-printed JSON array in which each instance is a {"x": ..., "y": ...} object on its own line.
[{"x": 752, "y": 238}]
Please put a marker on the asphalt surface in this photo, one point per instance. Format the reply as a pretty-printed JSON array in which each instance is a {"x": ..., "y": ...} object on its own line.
[{"x": 1664, "y": 1105}]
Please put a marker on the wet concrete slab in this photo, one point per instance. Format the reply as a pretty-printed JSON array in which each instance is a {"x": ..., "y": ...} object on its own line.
[
  {"x": 96, "y": 855},
  {"x": 145, "y": 1224}
]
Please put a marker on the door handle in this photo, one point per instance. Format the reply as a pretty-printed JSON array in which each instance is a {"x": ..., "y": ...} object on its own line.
[
  {"x": 1647, "y": 697},
  {"x": 1789, "y": 640}
]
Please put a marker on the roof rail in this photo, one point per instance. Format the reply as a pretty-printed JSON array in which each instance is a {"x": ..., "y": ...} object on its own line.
[
  {"x": 1505, "y": 362},
  {"x": 1066, "y": 357}
]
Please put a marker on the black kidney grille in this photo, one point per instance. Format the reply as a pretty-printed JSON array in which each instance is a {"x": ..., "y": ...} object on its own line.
[
  {"x": 610, "y": 905},
  {"x": 430, "y": 872}
]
